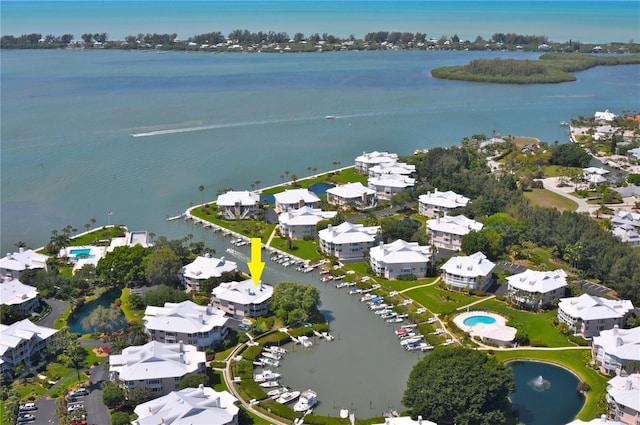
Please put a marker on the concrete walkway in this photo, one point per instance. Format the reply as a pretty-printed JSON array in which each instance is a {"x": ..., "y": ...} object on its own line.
[{"x": 475, "y": 302}]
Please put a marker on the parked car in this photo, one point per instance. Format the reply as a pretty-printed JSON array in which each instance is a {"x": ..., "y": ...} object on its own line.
[
  {"x": 27, "y": 407},
  {"x": 80, "y": 392},
  {"x": 26, "y": 417},
  {"x": 72, "y": 407}
]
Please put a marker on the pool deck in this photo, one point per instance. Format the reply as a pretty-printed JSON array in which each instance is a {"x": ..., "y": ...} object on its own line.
[{"x": 459, "y": 319}]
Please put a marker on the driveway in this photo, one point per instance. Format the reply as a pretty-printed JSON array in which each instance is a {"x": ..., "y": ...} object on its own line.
[
  {"x": 551, "y": 183},
  {"x": 57, "y": 308},
  {"x": 97, "y": 412}
]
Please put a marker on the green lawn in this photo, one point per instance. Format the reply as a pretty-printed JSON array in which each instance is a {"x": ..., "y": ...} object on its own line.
[
  {"x": 547, "y": 198},
  {"x": 307, "y": 250},
  {"x": 440, "y": 301},
  {"x": 576, "y": 361}
]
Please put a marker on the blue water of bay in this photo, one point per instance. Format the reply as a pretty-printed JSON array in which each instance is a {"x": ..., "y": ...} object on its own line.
[{"x": 228, "y": 120}]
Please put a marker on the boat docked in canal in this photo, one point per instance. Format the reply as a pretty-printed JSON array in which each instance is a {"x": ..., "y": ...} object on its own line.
[
  {"x": 266, "y": 375},
  {"x": 269, "y": 384},
  {"x": 307, "y": 400},
  {"x": 287, "y": 397}
]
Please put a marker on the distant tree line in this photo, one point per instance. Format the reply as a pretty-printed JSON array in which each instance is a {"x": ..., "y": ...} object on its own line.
[{"x": 265, "y": 41}]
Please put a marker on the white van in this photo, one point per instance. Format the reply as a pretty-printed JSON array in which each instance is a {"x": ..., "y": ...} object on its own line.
[{"x": 27, "y": 407}]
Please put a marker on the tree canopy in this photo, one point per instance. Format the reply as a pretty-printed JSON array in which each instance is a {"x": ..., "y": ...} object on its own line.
[
  {"x": 162, "y": 267},
  {"x": 461, "y": 386},
  {"x": 292, "y": 302}
]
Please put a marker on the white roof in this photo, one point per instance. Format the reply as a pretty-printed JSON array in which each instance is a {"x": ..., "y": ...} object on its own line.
[
  {"x": 625, "y": 390},
  {"x": 455, "y": 225},
  {"x": 406, "y": 420},
  {"x": 244, "y": 198},
  {"x": 294, "y": 196},
  {"x": 392, "y": 180},
  {"x": 206, "y": 267},
  {"x": 376, "y": 157},
  {"x": 14, "y": 292},
  {"x": 23, "y": 259},
  {"x": 604, "y": 116},
  {"x": 623, "y": 344},
  {"x": 399, "y": 252},
  {"x": 589, "y": 307},
  {"x": 392, "y": 168},
  {"x": 448, "y": 199},
  {"x": 14, "y": 334},
  {"x": 348, "y": 233},
  {"x": 469, "y": 266},
  {"x": 595, "y": 170},
  {"x": 626, "y": 235},
  {"x": 201, "y": 405},
  {"x": 185, "y": 317},
  {"x": 155, "y": 360},
  {"x": 494, "y": 331},
  {"x": 243, "y": 293},
  {"x": 538, "y": 281},
  {"x": 305, "y": 216},
  {"x": 351, "y": 191}
]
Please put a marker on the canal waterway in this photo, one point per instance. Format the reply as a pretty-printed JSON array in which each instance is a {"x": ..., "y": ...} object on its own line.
[{"x": 364, "y": 369}]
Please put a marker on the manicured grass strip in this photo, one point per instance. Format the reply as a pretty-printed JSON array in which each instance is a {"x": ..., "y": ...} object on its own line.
[
  {"x": 576, "y": 361},
  {"x": 307, "y": 250},
  {"x": 547, "y": 198},
  {"x": 440, "y": 301},
  {"x": 132, "y": 316}
]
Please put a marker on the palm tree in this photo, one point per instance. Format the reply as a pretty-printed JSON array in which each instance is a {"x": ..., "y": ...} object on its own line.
[
  {"x": 20, "y": 244},
  {"x": 201, "y": 189}
]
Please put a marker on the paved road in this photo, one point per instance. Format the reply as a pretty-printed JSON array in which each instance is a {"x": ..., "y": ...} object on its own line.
[
  {"x": 57, "y": 308},
  {"x": 97, "y": 412},
  {"x": 551, "y": 183}
]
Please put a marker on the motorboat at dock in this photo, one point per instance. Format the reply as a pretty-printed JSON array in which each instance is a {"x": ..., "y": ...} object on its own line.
[
  {"x": 288, "y": 397},
  {"x": 307, "y": 400}
]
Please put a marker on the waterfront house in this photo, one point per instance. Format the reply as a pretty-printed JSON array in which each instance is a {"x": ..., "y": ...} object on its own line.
[
  {"x": 21, "y": 342},
  {"x": 388, "y": 185},
  {"x": 473, "y": 272},
  {"x": 198, "y": 325},
  {"x": 157, "y": 366},
  {"x": 301, "y": 223},
  {"x": 352, "y": 195},
  {"x": 613, "y": 349},
  {"x": 370, "y": 159},
  {"x": 447, "y": 232},
  {"x": 397, "y": 168},
  {"x": 22, "y": 298},
  {"x": 623, "y": 396},
  {"x": 400, "y": 258},
  {"x": 203, "y": 268},
  {"x": 626, "y": 218},
  {"x": 238, "y": 204},
  {"x": 293, "y": 199},
  {"x": 588, "y": 315},
  {"x": 348, "y": 241},
  {"x": 438, "y": 204},
  {"x": 605, "y": 116},
  {"x": 202, "y": 405},
  {"x": 534, "y": 289},
  {"x": 13, "y": 265},
  {"x": 242, "y": 299}
]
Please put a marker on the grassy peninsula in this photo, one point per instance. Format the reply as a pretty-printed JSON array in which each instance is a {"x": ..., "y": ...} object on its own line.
[{"x": 550, "y": 68}]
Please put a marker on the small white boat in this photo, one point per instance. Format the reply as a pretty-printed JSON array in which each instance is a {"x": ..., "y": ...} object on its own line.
[
  {"x": 269, "y": 384},
  {"x": 410, "y": 341},
  {"x": 328, "y": 336},
  {"x": 266, "y": 375},
  {"x": 395, "y": 320},
  {"x": 305, "y": 341},
  {"x": 270, "y": 362},
  {"x": 288, "y": 397},
  {"x": 330, "y": 117},
  {"x": 344, "y": 413},
  {"x": 275, "y": 349},
  {"x": 271, "y": 355},
  {"x": 307, "y": 400},
  {"x": 274, "y": 394},
  {"x": 432, "y": 320}
]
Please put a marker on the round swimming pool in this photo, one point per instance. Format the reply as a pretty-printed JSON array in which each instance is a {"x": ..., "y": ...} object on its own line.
[{"x": 480, "y": 318}]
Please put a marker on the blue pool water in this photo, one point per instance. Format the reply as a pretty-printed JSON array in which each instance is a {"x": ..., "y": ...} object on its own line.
[
  {"x": 474, "y": 320},
  {"x": 81, "y": 252},
  {"x": 320, "y": 188}
]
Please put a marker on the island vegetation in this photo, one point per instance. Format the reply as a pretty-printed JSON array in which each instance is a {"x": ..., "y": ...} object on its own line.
[
  {"x": 281, "y": 42},
  {"x": 550, "y": 68}
]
